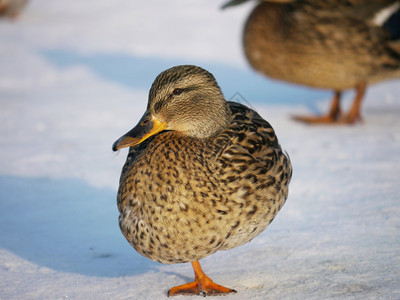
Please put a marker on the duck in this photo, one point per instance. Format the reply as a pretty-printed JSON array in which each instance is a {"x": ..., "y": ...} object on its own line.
[
  {"x": 332, "y": 44},
  {"x": 11, "y": 8},
  {"x": 202, "y": 174}
]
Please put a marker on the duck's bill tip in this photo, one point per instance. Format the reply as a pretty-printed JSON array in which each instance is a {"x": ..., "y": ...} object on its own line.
[
  {"x": 125, "y": 141},
  {"x": 233, "y": 3},
  {"x": 147, "y": 127}
]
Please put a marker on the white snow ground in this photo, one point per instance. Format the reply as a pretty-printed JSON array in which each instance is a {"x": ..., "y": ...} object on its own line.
[{"x": 74, "y": 76}]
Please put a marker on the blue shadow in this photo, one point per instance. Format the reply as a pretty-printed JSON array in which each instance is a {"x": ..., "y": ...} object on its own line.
[
  {"x": 66, "y": 225},
  {"x": 139, "y": 72}
]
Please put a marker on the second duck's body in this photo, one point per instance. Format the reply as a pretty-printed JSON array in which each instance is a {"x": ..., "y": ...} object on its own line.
[
  {"x": 335, "y": 44},
  {"x": 319, "y": 45}
]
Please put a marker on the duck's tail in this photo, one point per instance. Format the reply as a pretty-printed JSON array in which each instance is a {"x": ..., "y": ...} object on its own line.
[{"x": 392, "y": 24}]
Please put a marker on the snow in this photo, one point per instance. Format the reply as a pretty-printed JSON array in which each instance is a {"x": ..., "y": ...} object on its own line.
[{"x": 74, "y": 76}]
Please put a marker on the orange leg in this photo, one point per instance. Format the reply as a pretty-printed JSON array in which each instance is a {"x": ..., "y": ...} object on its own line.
[
  {"x": 202, "y": 285},
  {"x": 354, "y": 114},
  {"x": 332, "y": 117},
  {"x": 335, "y": 115}
]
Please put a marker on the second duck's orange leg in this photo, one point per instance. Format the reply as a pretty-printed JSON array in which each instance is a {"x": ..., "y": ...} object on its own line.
[
  {"x": 332, "y": 117},
  {"x": 202, "y": 285},
  {"x": 354, "y": 113}
]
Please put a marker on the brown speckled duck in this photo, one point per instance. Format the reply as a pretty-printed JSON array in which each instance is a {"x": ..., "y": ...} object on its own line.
[
  {"x": 332, "y": 44},
  {"x": 11, "y": 8},
  {"x": 202, "y": 175}
]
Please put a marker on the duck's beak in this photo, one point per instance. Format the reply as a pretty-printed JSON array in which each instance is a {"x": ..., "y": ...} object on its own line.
[
  {"x": 147, "y": 126},
  {"x": 233, "y": 3},
  {"x": 238, "y": 2}
]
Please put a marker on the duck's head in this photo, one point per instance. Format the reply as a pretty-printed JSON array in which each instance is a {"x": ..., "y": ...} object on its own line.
[{"x": 185, "y": 99}]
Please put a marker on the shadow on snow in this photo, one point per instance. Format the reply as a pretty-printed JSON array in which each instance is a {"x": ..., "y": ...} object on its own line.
[
  {"x": 66, "y": 225},
  {"x": 139, "y": 72}
]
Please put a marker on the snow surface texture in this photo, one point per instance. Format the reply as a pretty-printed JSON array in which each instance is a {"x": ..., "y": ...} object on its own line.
[{"x": 74, "y": 76}]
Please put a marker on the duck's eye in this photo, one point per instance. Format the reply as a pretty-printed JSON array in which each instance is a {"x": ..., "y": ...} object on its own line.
[{"x": 177, "y": 91}]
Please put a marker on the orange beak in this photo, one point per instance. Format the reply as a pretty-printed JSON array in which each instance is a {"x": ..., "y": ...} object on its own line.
[{"x": 147, "y": 126}]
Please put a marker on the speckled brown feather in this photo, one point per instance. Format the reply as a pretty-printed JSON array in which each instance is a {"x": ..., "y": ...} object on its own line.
[{"x": 182, "y": 198}]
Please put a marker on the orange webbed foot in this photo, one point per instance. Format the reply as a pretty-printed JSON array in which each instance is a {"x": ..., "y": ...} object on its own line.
[
  {"x": 326, "y": 119},
  {"x": 202, "y": 285},
  {"x": 335, "y": 115},
  {"x": 348, "y": 119}
]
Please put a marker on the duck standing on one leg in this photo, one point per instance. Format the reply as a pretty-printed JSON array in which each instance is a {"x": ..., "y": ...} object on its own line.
[
  {"x": 202, "y": 175},
  {"x": 332, "y": 44}
]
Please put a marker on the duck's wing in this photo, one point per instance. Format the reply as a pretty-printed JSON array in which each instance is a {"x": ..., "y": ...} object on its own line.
[{"x": 249, "y": 147}]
